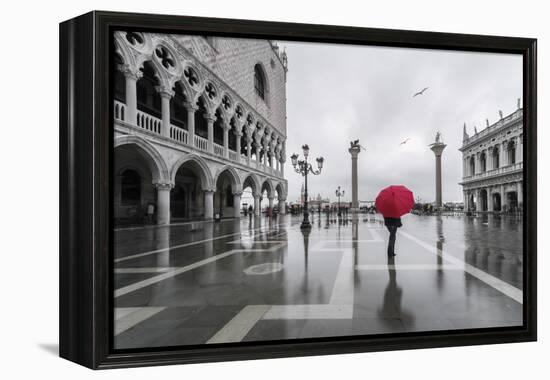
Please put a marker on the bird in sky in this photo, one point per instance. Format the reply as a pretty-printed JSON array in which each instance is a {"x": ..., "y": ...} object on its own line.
[
  {"x": 420, "y": 92},
  {"x": 405, "y": 141}
]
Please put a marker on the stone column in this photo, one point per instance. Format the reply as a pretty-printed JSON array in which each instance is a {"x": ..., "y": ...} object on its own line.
[
  {"x": 477, "y": 166},
  {"x": 208, "y": 204},
  {"x": 354, "y": 151},
  {"x": 437, "y": 148},
  {"x": 265, "y": 160},
  {"x": 163, "y": 202},
  {"x": 131, "y": 94},
  {"x": 466, "y": 199},
  {"x": 191, "y": 109},
  {"x": 248, "y": 148},
  {"x": 237, "y": 204},
  {"x": 258, "y": 148},
  {"x": 210, "y": 120},
  {"x": 489, "y": 159},
  {"x": 165, "y": 96},
  {"x": 239, "y": 136},
  {"x": 517, "y": 152},
  {"x": 520, "y": 194},
  {"x": 282, "y": 206},
  {"x": 490, "y": 206},
  {"x": 271, "y": 198},
  {"x": 257, "y": 204},
  {"x": 226, "y": 128}
]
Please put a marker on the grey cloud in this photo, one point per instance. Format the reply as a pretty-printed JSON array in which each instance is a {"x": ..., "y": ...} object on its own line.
[{"x": 337, "y": 93}]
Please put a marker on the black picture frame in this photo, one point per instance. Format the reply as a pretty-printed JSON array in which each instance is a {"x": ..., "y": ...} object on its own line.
[{"x": 86, "y": 147}]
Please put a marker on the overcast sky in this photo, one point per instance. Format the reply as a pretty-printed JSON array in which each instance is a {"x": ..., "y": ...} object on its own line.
[{"x": 338, "y": 93}]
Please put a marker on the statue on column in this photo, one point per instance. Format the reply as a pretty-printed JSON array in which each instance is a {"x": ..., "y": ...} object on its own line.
[{"x": 355, "y": 144}]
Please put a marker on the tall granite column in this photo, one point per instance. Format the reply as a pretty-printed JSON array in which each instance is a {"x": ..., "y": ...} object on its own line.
[
  {"x": 437, "y": 148},
  {"x": 354, "y": 151}
]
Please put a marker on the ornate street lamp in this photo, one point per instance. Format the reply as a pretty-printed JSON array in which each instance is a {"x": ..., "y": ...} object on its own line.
[
  {"x": 339, "y": 193},
  {"x": 303, "y": 167}
]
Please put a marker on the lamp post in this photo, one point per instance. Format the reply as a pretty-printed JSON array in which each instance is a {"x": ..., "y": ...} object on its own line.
[
  {"x": 339, "y": 193},
  {"x": 303, "y": 167}
]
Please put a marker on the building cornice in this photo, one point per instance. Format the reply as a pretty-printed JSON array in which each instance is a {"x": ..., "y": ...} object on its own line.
[{"x": 504, "y": 124}]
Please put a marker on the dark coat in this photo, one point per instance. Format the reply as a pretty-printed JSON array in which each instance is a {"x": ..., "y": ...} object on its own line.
[{"x": 393, "y": 222}]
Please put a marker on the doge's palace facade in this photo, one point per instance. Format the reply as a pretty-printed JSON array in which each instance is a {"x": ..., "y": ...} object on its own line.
[
  {"x": 492, "y": 179},
  {"x": 196, "y": 121}
]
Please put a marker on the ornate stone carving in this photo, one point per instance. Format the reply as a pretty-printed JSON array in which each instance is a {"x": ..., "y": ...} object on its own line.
[{"x": 163, "y": 186}]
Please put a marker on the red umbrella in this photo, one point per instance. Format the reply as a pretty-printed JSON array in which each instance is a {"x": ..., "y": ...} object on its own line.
[{"x": 394, "y": 201}]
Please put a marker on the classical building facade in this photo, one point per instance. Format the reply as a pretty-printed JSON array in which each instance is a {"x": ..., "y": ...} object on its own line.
[
  {"x": 492, "y": 178},
  {"x": 197, "y": 120}
]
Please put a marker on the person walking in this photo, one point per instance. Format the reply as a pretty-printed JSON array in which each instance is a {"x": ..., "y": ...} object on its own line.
[
  {"x": 393, "y": 202},
  {"x": 392, "y": 224}
]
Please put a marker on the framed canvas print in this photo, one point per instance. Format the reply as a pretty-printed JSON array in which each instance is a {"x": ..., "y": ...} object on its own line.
[{"x": 238, "y": 189}]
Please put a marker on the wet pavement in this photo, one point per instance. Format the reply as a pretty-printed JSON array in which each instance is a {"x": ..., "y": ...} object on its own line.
[{"x": 264, "y": 279}]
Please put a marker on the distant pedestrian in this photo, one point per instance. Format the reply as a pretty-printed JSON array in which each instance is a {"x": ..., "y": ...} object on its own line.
[
  {"x": 150, "y": 212},
  {"x": 392, "y": 224},
  {"x": 250, "y": 211}
]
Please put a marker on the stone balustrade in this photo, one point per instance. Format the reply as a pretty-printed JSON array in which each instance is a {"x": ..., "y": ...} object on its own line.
[
  {"x": 494, "y": 172},
  {"x": 152, "y": 124}
]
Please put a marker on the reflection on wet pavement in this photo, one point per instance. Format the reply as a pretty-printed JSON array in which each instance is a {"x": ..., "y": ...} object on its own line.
[{"x": 264, "y": 279}]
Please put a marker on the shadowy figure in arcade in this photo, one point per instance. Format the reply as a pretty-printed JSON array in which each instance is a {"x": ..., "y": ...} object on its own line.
[{"x": 392, "y": 224}]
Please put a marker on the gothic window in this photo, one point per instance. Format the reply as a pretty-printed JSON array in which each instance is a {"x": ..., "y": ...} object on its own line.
[
  {"x": 130, "y": 188},
  {"x": 148, "y": 99},
  {"x": 218, "y": 128},
  {"x": 135, "y": 38},
  {"x": 120, "y": 81},
  {"x": 178, "y": 112},
  {"x": 210, "y": 91},
  {"x": 233, "y": 135},
  {"x": 165, "y": 57},
  {"x": 496, "y": 158},
  {"x": 239, "y": 112},
  {"x": 226, "y": 102},
  {"x": 259, "y": 81},
  {"x": 512, "y": 152},
  {"x": 191, "y": 76},
  {"x": 201, "y": 125}
]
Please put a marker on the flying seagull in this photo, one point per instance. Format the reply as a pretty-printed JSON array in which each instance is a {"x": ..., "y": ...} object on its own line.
[
  {"x": 420, "y": 92},
  {"x": 405, "y": 141}
]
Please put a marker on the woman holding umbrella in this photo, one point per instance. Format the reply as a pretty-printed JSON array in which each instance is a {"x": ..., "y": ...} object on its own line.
[{"x": 394, "y": 202}]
